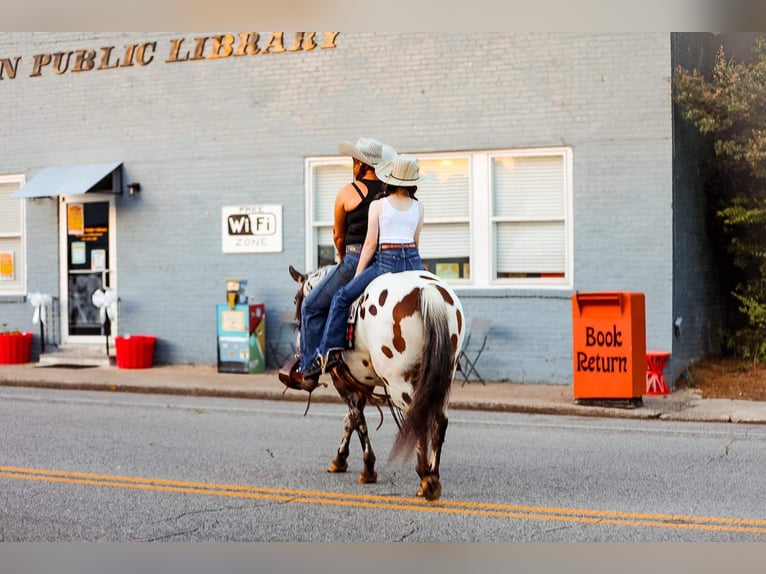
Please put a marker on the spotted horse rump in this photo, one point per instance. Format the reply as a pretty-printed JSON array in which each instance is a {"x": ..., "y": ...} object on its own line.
[{"x": 408, "y": 330}]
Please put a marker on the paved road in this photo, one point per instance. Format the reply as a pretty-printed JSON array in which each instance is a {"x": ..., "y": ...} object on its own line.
[{"x": 126, "y": 467}]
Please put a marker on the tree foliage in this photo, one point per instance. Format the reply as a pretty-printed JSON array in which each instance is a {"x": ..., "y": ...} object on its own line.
[{"x": 730, "y": 105}]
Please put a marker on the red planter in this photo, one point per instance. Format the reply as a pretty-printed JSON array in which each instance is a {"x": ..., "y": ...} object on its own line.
[
  {"x": 15, "y": 348},
  {"x": 135, "y": 351}
]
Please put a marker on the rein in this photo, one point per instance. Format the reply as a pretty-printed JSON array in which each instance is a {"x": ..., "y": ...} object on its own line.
[{"x": 341, "y": 371}]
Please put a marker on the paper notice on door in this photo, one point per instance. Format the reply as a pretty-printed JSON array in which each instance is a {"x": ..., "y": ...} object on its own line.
[
  {"x": 98, "y": 259},
  {"x": 75, "y": 219},
  {"x": 6, "y": 266},
  {"x": 78, "y": 252}
]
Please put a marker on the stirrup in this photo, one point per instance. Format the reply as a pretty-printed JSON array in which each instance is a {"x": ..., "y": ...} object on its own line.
[
  {"x": 292, "y": 378},
  {"x": 333, "y": 359},
  {"x": 285, "y": 372}
]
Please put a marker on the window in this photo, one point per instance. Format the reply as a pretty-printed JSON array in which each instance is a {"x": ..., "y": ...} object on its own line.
[
  {"x": 493, "y": 218},
  {"x": 12, "y": 253},
  {"x": 529, "y": 216},
  {"x": 326, "y": 177}
]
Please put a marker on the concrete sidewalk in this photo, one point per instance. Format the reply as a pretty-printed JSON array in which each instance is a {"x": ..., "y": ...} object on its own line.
[{"x": 683, "y": 405}]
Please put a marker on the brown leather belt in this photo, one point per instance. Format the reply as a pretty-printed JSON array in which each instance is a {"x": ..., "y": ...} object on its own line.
[
  {"x": 354, "y": 248},
  {"x": 397, "y": 245}
]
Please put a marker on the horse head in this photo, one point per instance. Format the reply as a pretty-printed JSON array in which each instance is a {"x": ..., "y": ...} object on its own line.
[
  {"x": 306, "y": 282},
  {"x": 300, "y": 279}
]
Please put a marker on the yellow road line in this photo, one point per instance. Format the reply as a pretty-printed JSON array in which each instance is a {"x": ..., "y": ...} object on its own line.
[{"x": 465, "y": 508}]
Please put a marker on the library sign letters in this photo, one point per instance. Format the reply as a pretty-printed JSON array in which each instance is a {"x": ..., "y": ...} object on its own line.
[{"x": 175, "y": 50}]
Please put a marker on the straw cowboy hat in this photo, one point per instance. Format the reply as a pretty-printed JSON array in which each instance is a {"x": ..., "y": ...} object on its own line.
[
  {"x": 403, "y": 171},
  {"x": 368, "y": 150}
]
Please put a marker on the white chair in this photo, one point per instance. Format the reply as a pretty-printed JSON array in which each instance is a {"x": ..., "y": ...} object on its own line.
[
  {"x": 284, "y": 345},
  {"x": 473, "y": 346}
]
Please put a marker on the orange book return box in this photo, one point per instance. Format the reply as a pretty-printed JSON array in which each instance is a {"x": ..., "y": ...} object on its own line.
[{"x": 609, "y": 345}]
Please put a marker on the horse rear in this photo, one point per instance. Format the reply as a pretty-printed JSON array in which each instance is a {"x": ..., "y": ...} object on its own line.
[
  {"x": 408, "y": 333},
  {"x": 412, "y": 331}
]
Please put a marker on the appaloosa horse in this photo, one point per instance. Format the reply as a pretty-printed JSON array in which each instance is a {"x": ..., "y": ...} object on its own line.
[{"x": 408, "y": 332}]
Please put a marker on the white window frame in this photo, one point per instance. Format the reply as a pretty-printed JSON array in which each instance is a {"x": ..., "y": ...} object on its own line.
[
  {"x": 480, "y": 218},
  {"x": 483, "y": 207},
  {"x": 19, "y": 262},
  {"x": 313, "y": 225}
]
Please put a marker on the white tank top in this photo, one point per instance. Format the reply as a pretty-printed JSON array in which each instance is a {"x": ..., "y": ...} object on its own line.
[{"x": 398, "y": 226}]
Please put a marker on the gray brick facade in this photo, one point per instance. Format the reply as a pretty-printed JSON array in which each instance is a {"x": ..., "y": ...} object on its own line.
[{"x": 200, "y": 134}]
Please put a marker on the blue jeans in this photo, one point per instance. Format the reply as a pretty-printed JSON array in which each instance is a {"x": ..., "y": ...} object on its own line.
[
  {"x": 316, "y": 307},
  {"x": 386, "y": 261}
]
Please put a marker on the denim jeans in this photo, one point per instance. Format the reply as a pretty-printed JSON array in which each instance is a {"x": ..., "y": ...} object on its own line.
[
  {"x": 385, "y": 261},
  {"x": 316, "y": 307}
]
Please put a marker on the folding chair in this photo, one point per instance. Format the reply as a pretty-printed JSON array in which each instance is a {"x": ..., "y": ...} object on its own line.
[
  {"x": 473, "y": 346},
  {"x": 283, "y": 347}
]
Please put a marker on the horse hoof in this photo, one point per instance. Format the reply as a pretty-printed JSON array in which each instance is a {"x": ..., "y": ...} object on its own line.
[
  {"x": 430, "y": 488},
  {"x": 338, "y": 467},
  {"x": 368, "y": 477}
]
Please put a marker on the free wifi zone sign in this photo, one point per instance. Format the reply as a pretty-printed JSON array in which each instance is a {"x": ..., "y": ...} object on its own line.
[{"x": 251, "y": 229}]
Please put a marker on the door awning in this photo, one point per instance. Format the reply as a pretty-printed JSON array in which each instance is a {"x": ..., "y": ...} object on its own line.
[{"x": 73, "y": 180}]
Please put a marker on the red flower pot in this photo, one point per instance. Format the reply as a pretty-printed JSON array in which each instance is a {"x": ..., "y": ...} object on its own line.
[
  {"x": 15, "y": 348},
  {"x": 135, "y": 351}
]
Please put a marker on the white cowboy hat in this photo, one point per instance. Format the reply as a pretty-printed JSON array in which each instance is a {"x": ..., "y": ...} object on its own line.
[
  {"x": 403, "y": 171},
  {"x": 368, "y": 150}
]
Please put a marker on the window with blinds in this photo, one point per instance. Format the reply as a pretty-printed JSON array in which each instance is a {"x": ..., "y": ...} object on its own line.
[
  {"x": 327, "y": 179},
  {"x": 445, "y": 240},
  {"x": 492, "y": 218},
  {"x": 529, "y": 216},
  {"x": 12, "y": 256}
]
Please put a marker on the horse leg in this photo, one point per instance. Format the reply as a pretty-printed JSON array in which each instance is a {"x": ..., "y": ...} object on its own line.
[
  {"x": 368, "y": 474},
  {"x": 340, "y": 463},
  {"x": 421, "y": 466},
  {"x": 355, "y": 421},
  {"x": 430, "y": 485}
]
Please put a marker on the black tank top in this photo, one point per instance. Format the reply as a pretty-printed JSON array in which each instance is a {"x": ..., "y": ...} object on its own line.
[{"x": 356, "y": 219}]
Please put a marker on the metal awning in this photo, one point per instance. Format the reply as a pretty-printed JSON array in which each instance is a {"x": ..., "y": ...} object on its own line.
[{"x": 73, "y": 180}]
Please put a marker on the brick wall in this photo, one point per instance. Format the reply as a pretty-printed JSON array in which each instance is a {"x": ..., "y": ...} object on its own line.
[
  {"x": 696, "y": 298},
  {"x": 202, "y": 134}
]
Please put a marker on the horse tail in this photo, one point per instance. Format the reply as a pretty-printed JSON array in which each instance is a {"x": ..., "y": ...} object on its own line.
[{"x": 432, "y": 384}]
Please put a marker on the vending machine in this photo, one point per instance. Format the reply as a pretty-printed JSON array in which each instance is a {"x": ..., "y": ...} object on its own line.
[{"x": 241, "y": 332}]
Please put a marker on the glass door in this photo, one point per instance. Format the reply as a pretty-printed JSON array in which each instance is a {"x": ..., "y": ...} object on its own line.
[{"x": 87, "y": 236}]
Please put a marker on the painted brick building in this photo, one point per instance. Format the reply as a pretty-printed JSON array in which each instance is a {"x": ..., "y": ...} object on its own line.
[{"x": 559, "y": 166}]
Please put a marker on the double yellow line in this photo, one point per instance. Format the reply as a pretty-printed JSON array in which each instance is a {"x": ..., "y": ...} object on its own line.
[{"x": 455, "y": 507}]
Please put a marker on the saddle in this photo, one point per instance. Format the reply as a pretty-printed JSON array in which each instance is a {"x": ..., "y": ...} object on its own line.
[{"x": 288, "y": 373}]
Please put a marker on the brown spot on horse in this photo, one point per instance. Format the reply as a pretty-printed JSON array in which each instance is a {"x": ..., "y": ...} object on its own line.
[
  {"x": 447, "y": 297},
  {"x": 406, "y": 307}
]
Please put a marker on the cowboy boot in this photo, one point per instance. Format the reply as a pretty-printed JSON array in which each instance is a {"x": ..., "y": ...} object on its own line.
[{"x": 321, "y": 364}]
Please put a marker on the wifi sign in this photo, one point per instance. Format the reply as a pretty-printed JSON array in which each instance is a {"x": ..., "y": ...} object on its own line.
[
  {"x": 240, "y": 225},
  {"x": 251, "y": 229}
]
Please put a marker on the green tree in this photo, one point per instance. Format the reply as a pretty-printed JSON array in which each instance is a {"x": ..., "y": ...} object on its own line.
[{"x": 730, "y": 106}]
